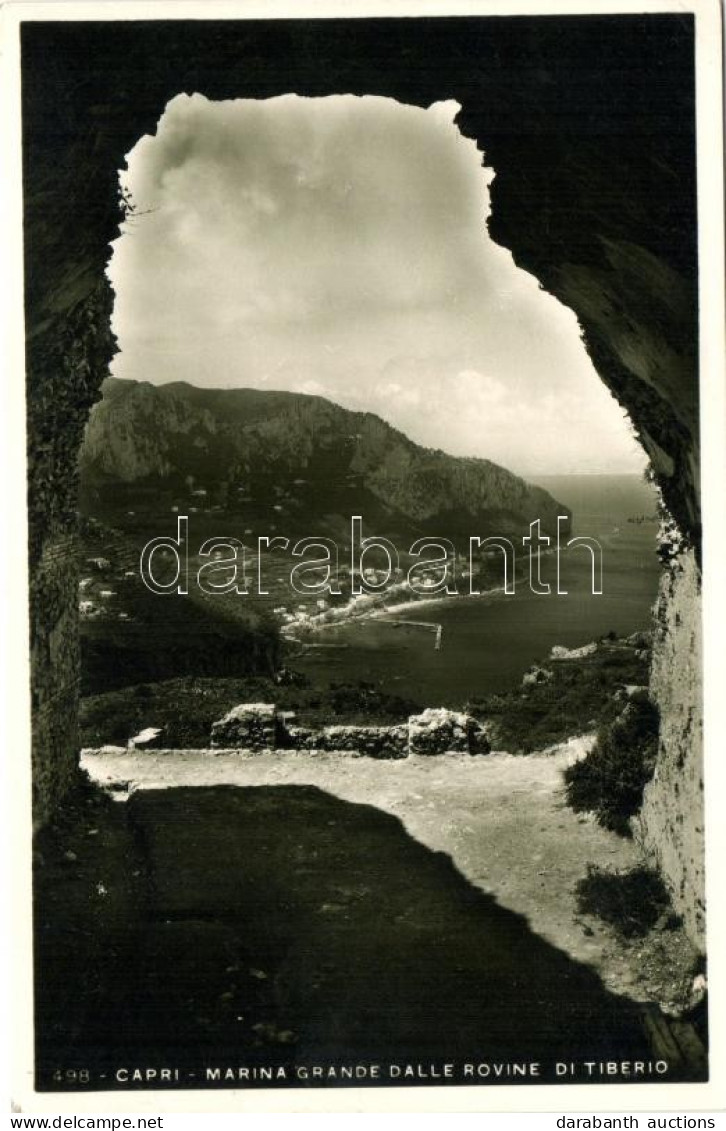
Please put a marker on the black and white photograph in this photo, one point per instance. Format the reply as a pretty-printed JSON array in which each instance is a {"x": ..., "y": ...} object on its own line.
[{"x": 364, "y": 395}]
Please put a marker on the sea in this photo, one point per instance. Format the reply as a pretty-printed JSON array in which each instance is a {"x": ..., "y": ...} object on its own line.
[{"x": 487, "y": 643}]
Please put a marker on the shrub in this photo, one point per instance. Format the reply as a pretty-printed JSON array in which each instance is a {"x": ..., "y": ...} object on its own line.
[
  {"x": 364, "y": 701},
  {"x": 611, "y": 779},
  {"x": 579, "y": 697},
  {"x": 632, "y": 902}
]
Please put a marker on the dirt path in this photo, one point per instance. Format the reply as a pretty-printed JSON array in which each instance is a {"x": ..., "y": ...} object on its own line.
[
  {"x": 501, "y": 819},
  {"x": 245, "y": 914}
]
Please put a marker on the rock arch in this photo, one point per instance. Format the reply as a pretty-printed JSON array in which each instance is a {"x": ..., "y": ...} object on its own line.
[{"x": 594, "y": 194}]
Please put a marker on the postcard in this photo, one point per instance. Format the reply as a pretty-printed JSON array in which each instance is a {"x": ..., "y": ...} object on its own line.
[{"x": 367, "y": 385}]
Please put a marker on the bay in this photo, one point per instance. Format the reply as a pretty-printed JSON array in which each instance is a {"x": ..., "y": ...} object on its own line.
[{"x": 488, "y": 642}]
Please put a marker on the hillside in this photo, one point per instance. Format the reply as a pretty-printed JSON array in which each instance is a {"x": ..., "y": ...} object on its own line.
[{"x": 287, "y": 461}]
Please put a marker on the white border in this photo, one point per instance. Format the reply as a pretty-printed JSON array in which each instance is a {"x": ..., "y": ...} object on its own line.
[{"x": 547, "y": 1098}]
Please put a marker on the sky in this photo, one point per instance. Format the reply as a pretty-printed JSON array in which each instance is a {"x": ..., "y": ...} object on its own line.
[{"x": 338, "y": 246}]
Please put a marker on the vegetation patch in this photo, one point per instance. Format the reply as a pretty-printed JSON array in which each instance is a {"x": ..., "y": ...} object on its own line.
[
  {"x": 576, "y": 696},
  {"x": 632, "y": 902},
  {"x": 611, "y": 779},
  {"x": 186, "y": 708}
]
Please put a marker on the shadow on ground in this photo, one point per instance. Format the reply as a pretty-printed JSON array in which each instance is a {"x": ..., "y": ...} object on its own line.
[{"x": 281, "y": 925}]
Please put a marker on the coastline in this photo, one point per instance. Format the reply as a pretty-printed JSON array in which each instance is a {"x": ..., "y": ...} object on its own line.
[
  {"x": 428, "y": 602},
  {"x": 348, "y": 614},
  {"x": 334, "y": 618}
]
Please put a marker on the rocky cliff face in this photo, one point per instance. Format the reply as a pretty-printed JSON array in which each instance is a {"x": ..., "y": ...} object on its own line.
[
  {"x": 671, "y": 821},
  {"x": 244, "y": 447}
]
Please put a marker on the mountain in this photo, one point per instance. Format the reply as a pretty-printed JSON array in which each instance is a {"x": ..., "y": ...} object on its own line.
[{"x": 289, "y": 461}]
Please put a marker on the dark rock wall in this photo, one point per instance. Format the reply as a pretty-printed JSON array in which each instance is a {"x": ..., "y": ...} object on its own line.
[
  {"x": 588, "y": 123},
  {"x": 66, "y": 359},
  {"x": 670, "y": 825}
]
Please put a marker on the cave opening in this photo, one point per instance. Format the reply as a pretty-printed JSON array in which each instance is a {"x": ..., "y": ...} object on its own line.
[
  {"x": 303, "y": 246},
  {"x": 632, "y": 291}
]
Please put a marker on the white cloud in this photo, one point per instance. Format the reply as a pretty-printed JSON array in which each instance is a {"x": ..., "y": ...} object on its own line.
[{"x": 338, "y": 245}]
